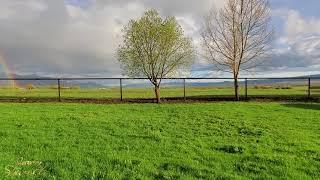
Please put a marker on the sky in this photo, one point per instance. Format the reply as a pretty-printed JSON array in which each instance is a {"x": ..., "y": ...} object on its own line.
[{"x": 79, "y": 38}]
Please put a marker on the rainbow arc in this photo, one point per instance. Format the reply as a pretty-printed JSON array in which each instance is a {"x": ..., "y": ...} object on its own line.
[{"x": 5, "y": 69}]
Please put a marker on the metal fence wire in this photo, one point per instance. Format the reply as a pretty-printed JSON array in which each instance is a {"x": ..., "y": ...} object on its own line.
[{"x": 183, "y": 88}]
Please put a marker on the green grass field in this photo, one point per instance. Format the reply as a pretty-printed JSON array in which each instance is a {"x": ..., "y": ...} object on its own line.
[
  {"x": 149, "y": 93},
  {"x": 167, "y": 141}
]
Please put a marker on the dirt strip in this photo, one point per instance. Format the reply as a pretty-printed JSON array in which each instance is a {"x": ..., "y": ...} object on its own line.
[{"x": 194, "y": 99}]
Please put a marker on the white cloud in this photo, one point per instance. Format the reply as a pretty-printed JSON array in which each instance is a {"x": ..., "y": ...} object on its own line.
[
  {"x": 296, "y": 26},
  {"x": 13, "y": 9},
  {"x": 299, "y": 45}
]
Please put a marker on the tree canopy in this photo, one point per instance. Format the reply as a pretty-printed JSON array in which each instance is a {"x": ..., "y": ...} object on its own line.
[{"x": 154, "y": 47}]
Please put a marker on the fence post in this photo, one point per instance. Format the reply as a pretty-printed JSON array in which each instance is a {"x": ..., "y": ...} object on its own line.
[
  {"x": 309, "y": 88},
  {"x": 246, "y": 88},
  {"x": 59, "y": 90},
  {"x": 121, "y": 97},
  {"x": 184, "y": 89}
]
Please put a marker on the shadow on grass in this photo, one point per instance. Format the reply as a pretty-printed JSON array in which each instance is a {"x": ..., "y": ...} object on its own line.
[
  {"x": 304, "y": 106},
  {"x": 189, "y": 99}
]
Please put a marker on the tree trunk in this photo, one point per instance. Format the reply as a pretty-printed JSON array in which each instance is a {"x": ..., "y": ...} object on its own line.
[
  {"x": 157, "y": 92},
  {"x": 236, "y": 89}
]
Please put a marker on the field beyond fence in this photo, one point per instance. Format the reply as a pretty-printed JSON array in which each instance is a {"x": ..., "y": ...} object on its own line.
[{"x": 172, "y": 89}]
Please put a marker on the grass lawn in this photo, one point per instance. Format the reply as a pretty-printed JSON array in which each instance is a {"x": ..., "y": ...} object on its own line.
[{"x": 168, "y": 141}]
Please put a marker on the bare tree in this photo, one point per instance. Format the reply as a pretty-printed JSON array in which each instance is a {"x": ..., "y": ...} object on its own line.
[
  {"x": 155, "y": 48},
  {"x": 236, "y": 37}
]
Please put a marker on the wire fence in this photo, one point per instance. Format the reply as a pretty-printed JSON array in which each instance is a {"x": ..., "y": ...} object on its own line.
[{"x": 122, "y": 89}]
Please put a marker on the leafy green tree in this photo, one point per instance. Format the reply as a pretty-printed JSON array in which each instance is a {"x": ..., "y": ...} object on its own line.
[{"x": 155, "y": 48}]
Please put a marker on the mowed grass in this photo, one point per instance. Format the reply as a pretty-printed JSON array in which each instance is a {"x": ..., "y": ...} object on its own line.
[
  {"x": 149, "y": 92},
  {"x": 167, "y": 141}
]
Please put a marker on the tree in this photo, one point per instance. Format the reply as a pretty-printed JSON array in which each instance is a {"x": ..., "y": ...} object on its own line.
[
  {"x": 238, "y": 36},
  {"x": 155, "y": 48}
]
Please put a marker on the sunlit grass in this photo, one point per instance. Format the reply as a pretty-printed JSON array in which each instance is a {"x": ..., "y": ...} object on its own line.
[{"x": 168, "y": 141}]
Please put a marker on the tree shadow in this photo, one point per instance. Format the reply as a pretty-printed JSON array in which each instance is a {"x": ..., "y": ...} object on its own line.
[{"x": 312, "y": 106}]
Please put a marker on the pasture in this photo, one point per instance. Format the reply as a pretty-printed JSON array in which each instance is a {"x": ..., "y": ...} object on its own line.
[
  {"x": 109, "y": 93},
  {"x": 167, "y": 141}
]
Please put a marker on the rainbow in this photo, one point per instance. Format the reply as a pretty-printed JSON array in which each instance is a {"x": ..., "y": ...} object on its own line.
[{"x": 4, "y": 67}]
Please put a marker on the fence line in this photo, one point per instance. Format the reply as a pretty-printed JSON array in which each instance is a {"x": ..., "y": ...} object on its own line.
[
  {"x": 58, "y": 80},
  {"x": 99, "y": 78}
]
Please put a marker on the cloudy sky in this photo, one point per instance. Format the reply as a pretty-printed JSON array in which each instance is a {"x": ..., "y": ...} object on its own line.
[{"x": 79, "y": 37}]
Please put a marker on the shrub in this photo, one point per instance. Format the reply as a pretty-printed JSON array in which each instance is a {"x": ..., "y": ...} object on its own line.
[
  {"x": 262, "y": 87},
  {"x": 30, "y": 86},
  {"x": 315, "y": 87},
  {"x": 53, "y": 86},
  {"x": 283, "y": 87},
  {"x": 75, "y": 87}
]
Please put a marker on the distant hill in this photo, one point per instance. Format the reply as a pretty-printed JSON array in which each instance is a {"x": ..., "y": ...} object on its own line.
[
  {"x": 68, "y": 83},
  {"x": 205, "y": 83},
  {"x": 174, "y": 83}
]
